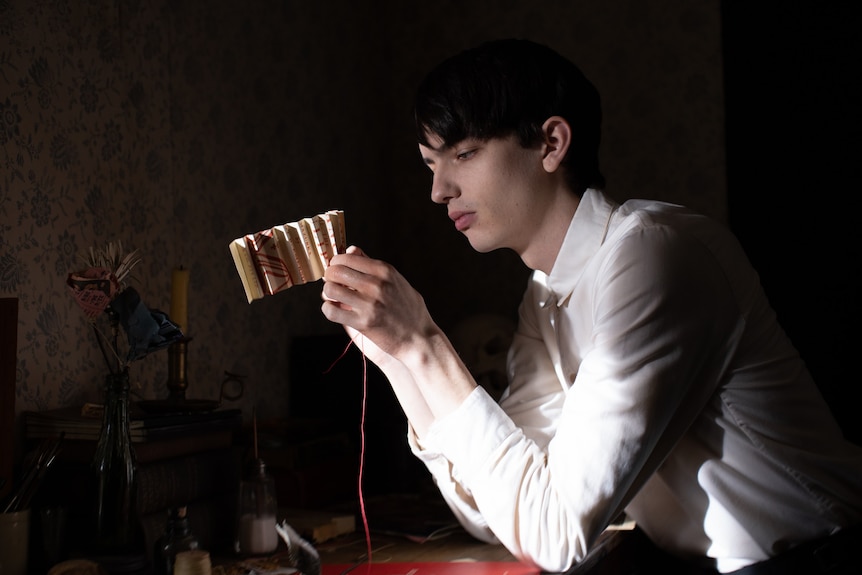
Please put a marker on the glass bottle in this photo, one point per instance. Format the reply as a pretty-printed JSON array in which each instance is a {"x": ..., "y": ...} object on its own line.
[
  {"x": 177, "y": 537},
  {"x": 116, "y": 529},
  {"x": 257, "y": 510}
]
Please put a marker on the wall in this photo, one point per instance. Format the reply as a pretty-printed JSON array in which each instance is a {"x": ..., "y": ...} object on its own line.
[{"x": 175, "y": 127}]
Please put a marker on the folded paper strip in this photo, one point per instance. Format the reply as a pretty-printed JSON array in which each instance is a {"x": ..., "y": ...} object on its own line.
[{"x": 272, "y": 260}]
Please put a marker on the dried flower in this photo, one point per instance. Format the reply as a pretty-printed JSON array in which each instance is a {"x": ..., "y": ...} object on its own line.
[
  {"x": 96, "y": 286},
  {"x": 113, "y": 258},
  {"x": 101, "y": 287}
]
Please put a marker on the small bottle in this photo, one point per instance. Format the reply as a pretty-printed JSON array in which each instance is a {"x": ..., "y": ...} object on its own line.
[
  {"x": 177, "y": 537},
  {"x": 257, "y": 510}
]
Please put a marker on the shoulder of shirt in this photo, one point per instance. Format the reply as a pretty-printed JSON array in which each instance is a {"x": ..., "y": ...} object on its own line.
[{"x": 640, "y": 213}]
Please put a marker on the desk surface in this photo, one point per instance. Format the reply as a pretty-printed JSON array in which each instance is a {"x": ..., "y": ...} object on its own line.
[
  {"x": 346, "y": 551},
  {"x": 409, "y": 527},
  {"x": 439, "y": 539},
  {"x": 456, "y": 548},
  {"x": 452, "y": 545},
  {"x": 436, "y": 538}
]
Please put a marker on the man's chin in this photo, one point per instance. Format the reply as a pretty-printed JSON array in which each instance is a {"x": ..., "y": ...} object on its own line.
[{"x": 481, "y": 247}]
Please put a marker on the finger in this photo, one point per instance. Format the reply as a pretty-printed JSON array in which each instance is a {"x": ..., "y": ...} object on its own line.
[
  {"x": 357, "y": 261},
  {"x": 335, "y": 312},
  {"x": 337, "y": 292},
  {"x": 338, "y": 312},
  {"x": 351, "y": 250},
  {"x": 356, "y": 273}
]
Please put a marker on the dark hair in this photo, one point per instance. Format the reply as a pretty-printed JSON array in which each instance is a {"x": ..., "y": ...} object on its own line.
[{"x": 512, "y": 86}]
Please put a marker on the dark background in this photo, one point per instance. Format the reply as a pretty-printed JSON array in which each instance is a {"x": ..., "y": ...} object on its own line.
[{"x": 792, "y": 78}]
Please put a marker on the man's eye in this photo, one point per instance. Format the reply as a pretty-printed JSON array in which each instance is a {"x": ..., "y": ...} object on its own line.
[{"x": 465, "y": 155}]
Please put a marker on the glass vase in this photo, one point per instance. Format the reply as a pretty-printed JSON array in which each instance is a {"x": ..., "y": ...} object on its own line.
[{"x": 116, "y": 527}]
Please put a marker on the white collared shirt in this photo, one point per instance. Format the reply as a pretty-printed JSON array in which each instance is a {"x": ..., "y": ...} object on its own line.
[{"x": 648, "y": 375}]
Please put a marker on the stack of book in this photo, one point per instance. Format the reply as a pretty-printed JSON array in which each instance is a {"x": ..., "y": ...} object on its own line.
[
  {"x": 155, "y": 436},
  {"x": 186, "y": 459},
  {"x": 294, "y": 253}
]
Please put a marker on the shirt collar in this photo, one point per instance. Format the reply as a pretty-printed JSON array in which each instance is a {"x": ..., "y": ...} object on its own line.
[{"x": 585, "y": 235}]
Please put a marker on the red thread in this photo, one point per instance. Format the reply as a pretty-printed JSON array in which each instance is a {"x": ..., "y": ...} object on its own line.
[
  {"x": 361, "y": 439},
  {"x": 362, "y": 452},
  {"x": 343, "y": 353}
]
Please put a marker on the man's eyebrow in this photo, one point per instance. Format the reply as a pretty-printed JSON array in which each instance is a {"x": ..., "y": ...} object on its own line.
[{"x": 438, "y": 150}]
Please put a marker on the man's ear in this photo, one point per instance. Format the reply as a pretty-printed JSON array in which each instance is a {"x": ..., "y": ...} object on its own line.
[{"x": 557, "y": 135}]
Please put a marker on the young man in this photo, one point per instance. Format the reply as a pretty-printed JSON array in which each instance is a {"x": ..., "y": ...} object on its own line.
[{"x": 648, "y": 374}]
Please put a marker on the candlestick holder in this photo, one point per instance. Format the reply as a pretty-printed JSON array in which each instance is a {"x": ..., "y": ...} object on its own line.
[
  {"x": 177, "y": 370},
  {"x": 178, "y": 383}
]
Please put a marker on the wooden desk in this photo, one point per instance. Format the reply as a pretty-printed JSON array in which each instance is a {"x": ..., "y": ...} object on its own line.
[
  {"x": 453, "y": 545},
  {"x": 442, "y": 540},
  {"x": 612, "y": 555},
  {"x": 609, "y": 556}
]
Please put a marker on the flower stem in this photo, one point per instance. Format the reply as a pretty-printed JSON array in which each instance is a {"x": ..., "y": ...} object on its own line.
[
  {"x": 102, "y": 349},
  {"x": 115, "y": 323}
]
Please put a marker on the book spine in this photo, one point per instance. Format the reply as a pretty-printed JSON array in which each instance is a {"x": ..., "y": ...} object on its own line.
[
  {"x": 142, "y": 429},
  {"x": 212, "y": 475},
  {"x": 177, "y": 481},
  {"x": 82, "y": 450}
]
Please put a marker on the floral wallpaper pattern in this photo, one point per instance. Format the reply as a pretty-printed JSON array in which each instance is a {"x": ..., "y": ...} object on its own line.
[{"x": 175, "y": 127}]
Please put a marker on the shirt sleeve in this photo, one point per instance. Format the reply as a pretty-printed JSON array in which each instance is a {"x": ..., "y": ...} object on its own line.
[
  {"x": 533, "y": 401},
  {"x": 663, "y": 324}
]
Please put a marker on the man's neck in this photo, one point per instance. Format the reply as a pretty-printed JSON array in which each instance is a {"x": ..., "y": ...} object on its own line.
[{"x": 541, "y": 253}]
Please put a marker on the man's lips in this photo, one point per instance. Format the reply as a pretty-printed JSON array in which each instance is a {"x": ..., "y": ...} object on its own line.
[{"x": 463, "y": 220}]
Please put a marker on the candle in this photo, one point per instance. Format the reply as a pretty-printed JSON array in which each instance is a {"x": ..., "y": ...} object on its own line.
[{"x": 180, "y": 298}]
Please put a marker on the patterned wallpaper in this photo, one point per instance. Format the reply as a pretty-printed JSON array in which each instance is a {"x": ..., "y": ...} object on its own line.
[{"x": 175, "y": 127}]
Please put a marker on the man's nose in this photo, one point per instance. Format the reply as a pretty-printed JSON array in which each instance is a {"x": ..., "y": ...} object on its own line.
[{"x": 442, "y": 188}]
